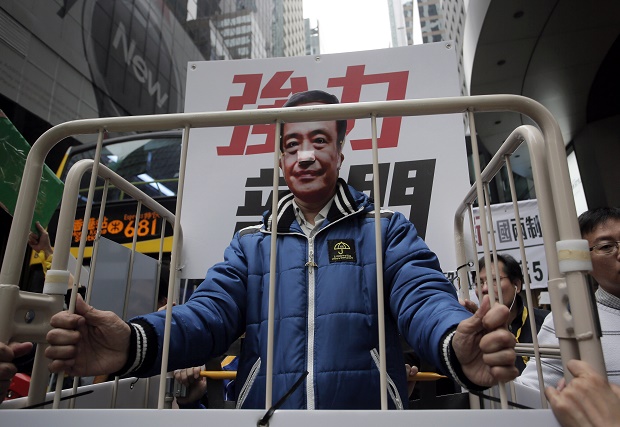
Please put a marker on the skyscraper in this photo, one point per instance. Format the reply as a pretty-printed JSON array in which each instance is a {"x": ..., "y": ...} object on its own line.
[
  {"x": 398, "y": 28},
  {"x": 289, "y": 37},
  {"x": 313, "y": 38},
  {"x": 430, "y": 20},
  {"x": 440, "y": 20}
]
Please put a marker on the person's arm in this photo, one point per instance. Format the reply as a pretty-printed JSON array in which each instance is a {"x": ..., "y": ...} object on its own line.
[
  {"x": 89, "y": 342},
  {"x": 422, "y": 300},
  {"x": 588, "y": 400},
  {"x": 8, "y": 352},
  {"x": 477, "y": 351},
  {"x": 203, "y": 327},
  {"x": 93, "y": 342}
]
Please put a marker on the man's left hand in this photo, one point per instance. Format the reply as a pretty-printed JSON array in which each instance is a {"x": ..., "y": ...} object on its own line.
[{"x": 485, "y": 347}]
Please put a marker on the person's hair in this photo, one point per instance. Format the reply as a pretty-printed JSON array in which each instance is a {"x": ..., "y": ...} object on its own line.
[
  {"x": 310, "y": 96},
  {"x": 512, "y": 268},
  {"x": 592, "y": 218}
]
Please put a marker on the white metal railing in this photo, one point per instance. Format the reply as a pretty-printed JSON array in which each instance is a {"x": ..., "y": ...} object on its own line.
[{"x": 555, "y": 195}]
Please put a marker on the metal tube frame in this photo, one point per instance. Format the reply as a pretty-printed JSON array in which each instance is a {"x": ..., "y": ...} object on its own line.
[{"x": 559, "y": 207}]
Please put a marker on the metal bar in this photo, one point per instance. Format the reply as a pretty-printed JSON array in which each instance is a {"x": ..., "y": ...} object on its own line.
[
  {"x": 379, "y": 260},
  {"x": 83, "y": 236},
  {"x": 93, "y": 259},
  {"x": 272, "y": 267},
  {"x": 10, "y": 272},
  {"x": 174, "y": 257},
  {"x": 526, "y": 281},
  {"x": 487, "y": 197},
  {"x": 483, "y": 229},
  {"x": 134, "y": 240}
]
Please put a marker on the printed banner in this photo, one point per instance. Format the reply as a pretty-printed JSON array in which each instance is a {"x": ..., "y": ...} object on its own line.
[
  {"x": 423, "y": 163},
  {"x": 505, "y": 227}
]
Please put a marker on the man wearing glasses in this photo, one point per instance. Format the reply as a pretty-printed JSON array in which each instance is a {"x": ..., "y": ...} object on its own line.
[
  {"x": 511, "y": 283},
  {"x": 601, "y": 228}
]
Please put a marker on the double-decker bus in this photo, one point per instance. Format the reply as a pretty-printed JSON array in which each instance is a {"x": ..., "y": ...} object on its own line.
[{"x": 151, "y": 162}]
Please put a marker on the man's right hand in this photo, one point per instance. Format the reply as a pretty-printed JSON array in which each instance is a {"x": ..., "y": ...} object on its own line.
[
  {"x": 89, "y": 342},
  {"x": 588, "y": 400}
]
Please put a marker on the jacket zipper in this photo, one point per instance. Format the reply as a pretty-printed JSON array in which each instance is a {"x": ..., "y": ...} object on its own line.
[{"x": 311, "y": 265}]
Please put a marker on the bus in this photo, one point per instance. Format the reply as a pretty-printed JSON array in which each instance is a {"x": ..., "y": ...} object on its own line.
[{"x": 150, "y": 161}]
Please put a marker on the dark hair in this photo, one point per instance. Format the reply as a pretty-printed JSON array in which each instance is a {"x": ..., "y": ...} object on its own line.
[
  {"x": 511, "y": 267},
  {"x": 310, "y": 96},
  {"x": 589, "y": 220}
]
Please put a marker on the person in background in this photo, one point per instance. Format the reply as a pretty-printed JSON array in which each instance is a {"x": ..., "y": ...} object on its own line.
[
  {"x": 40, "y": 243},
  {"x": 601, "y": 228},
  {"x": 511, "y": 282},
  {"x": 325, "y": 317}
]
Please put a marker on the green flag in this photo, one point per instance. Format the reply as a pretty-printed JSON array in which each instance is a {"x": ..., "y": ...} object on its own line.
[{"x": 13, "y": 152}]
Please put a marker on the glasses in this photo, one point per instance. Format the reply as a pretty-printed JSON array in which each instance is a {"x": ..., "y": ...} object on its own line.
[
  {"x": 486, "y": 281},
  {"x": 605, "y": 248}
]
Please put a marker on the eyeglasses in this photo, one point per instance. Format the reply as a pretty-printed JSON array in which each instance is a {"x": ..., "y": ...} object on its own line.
[
  {"x": 486, "y": 281},
  {"x": 605, "y": 248}
]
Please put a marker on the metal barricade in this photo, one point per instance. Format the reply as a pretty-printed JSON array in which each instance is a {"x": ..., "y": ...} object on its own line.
[{"x": 557, "y": 212}]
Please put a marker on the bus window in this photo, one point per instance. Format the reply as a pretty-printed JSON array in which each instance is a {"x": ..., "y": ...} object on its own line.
[{"x": 150, "y": 162}]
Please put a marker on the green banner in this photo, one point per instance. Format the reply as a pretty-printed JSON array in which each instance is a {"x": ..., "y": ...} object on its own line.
[{"x": 13, "y": 152}]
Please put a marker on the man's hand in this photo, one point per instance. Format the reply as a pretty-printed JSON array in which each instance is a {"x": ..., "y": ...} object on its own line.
[
  {"x": 89, "y": 342},
  {"x": 588, "y": 400},
  {"x": 196, "y": 385},
  {"x": 485, "y": 347},
  {"x": 8, "y": 352},
  {"x": 41, "y": 241},
  {"x": 411, "y": 372},
  {"x": 471, "y": 306}
]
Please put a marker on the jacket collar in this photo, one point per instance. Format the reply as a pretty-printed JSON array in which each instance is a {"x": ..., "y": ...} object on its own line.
[{"x": 347, "y": 201}]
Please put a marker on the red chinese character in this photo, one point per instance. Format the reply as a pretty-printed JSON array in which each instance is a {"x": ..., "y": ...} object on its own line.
[
  {"x": 352, "y": 84},
  {"x": 275, "y": 90}
]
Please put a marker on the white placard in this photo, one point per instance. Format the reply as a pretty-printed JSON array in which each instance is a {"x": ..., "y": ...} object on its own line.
[
  {"x": 505, "y": 227},
  {"x": 229, "y": 171}
]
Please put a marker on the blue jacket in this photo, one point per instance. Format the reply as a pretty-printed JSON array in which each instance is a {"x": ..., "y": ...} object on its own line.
[{"x": 325, "y": 308}]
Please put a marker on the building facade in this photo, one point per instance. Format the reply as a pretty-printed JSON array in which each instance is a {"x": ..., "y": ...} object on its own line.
[
  {"x": 289, "y": 33},
  {"x": 313, "y": 37},
  {"x": 64, "y": 60}
]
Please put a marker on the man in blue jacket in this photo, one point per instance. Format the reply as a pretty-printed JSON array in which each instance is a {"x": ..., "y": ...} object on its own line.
[{"x": 325, "y": 303}]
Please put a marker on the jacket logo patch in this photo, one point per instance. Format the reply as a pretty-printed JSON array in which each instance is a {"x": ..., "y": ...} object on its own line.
[{"x": 342, "y": 250}]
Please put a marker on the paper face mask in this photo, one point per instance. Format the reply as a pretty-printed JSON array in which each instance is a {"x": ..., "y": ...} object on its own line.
[{"x": 305, "y": 156}]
